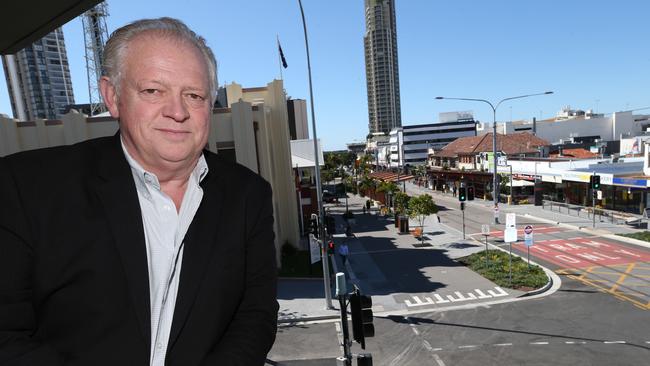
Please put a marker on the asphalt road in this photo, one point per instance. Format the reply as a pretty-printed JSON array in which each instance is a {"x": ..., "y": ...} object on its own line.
[{"x": 599, "y": 316}]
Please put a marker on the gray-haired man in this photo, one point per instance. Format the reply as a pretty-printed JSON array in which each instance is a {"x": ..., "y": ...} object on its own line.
[{"x": 142, "y": 248}]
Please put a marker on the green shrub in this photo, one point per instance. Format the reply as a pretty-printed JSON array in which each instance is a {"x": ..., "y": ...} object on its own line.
[{"x": 498, "y": 270}]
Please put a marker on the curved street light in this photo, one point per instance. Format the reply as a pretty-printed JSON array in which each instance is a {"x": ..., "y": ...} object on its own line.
[
  {"x": 319, "y": 189},
  {"x": 494, "y": 137}
]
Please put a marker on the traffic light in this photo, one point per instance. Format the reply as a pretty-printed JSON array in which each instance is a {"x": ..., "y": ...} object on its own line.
[
  {"x": 462, "y": 194},
  {"x": 330, "y": 225},
  {"x": 361, "y": 309},
  {"x": 313, "y": 225},
  {"x": 594, "y": 181},
  {"x": 470, "y": 193},
  {"x": 331, "y": 248}
]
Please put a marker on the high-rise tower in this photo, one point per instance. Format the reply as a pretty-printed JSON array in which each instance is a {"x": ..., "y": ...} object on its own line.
[
  {"x": 38, "y": 78},
  {"x": 382, "y": 72}
]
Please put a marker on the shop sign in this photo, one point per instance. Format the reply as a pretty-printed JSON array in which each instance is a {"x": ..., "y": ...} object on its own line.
[
  {"x": 576, "y": 176},
  {"x": 631, "y": 182},
  {"x": 552, "y": 178}
]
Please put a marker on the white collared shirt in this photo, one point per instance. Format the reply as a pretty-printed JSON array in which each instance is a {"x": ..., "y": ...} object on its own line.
[{"x": 164, "y": 231}]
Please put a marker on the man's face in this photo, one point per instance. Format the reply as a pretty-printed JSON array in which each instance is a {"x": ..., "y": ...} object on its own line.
[{"x": 164, "y": 102}]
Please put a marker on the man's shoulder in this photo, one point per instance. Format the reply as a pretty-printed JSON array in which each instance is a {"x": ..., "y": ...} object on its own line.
[{"x": 59, "y": 157}]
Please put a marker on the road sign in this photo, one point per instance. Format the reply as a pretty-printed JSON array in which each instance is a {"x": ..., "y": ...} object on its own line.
[
  {"x": 528, "y": 229},
  {"x": 496, "y": 211},
  {"x": 485, "y": 229},
  {"x": 528, "y": 235},
  {"x": 511, "y": 219},
  {"x": 314, "y": 249},
  {"x": 599, "y": 195},
  {"x": 528, "y": 239},
  {"x": 510, "y": 235}
]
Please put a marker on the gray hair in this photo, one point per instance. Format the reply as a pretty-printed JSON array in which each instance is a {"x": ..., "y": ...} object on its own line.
[{"x": 117, "y": 43}]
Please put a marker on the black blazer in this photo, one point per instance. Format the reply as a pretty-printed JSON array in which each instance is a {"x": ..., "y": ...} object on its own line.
[{"x": 74, "y": 284}]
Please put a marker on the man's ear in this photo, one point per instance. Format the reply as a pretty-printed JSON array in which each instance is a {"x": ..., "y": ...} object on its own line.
[{"x": 109, "y": 94}]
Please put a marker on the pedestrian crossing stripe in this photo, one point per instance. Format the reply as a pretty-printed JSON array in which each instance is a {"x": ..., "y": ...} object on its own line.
[{"x": 456, "y": 297}]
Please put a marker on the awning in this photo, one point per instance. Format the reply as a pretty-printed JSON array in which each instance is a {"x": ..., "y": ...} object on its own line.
[
  {"x": 391, "y": 177},
  {"x": 521, "y": 183},
  {"x": 25, "y": 22}
]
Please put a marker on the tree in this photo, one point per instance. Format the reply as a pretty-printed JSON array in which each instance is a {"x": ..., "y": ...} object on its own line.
[
  {"x": 402, "y": 201},
  {"x": 419, "y": 208},
  {"x": 367, "y": 184},
  {"x": 388, "y": 188}
]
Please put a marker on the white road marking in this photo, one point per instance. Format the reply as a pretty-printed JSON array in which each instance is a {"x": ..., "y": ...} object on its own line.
[
  {"x": 468, "y": 346},
  {"x": 572, "y": 342},
  {"x": 614, "y": 342},
  {"x": 419, "y": 302},
  {"x": 439, "y": 299},
  {"x": 502, "y": 344},
  {"x": 438, "y": 360},
  {"x": 481, "y": 295},
  {"x": 437, "y": 349},
  {"x": 576, "y": 238},
  {"x": 538, "y": 343},
  {"x": 500, "y": 292},
  {"x": 427, "y": 345},
  {"x": 415, "y": 300}
]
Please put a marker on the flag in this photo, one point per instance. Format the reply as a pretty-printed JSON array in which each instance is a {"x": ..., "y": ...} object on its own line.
[{"x": 284, "y": 61}]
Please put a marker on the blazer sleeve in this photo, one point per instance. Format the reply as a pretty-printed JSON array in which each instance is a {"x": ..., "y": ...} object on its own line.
[
  {"x": 251, "y": 332},
  {"x": 18, "y": 345}
]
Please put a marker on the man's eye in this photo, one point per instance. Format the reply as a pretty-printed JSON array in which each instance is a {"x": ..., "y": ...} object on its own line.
[
  {"x": 195, "y": 96},
  {"x": 149, "y": 91}
]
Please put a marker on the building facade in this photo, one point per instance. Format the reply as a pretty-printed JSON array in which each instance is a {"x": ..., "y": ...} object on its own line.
[
  {"x": 410, "y": 145},
  {"x": 570, "y": 126},
  {"x": 38, "y": 79},
  {"x": 382, "y": 71}
]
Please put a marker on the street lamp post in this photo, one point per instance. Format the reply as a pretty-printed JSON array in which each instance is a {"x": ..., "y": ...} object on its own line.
[
  {"x": 494, "y": 138},
  {"x": 319, "y": 189}
]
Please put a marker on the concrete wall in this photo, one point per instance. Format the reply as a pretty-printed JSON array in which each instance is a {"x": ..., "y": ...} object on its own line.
[{"x": 259, "y": 133}]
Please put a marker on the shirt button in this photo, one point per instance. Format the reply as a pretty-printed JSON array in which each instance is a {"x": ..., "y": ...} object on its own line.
[{"x": 159, "y": 345}]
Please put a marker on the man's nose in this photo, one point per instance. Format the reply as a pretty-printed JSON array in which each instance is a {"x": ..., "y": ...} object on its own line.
[{"x": 176, "y": 109}]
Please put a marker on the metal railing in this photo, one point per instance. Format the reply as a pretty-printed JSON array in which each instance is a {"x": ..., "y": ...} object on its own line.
[{"x": 603, "y": 215}]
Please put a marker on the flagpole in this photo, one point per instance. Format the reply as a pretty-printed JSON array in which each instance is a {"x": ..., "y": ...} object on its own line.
[{"x": 279, "y": 56}]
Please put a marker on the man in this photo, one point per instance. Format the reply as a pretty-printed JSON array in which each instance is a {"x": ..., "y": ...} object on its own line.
[{"x": 141, "y": 248}]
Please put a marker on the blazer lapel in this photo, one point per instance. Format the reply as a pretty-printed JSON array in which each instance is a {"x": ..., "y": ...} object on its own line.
[
  {"x": 119, "y": 197},
  {"x": 199, "y": 245}
]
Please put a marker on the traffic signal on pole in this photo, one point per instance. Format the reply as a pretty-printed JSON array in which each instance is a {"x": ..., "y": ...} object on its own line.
[
  {"x": 331, "y": 248},
  {"x": 470, "y": 193},
  {"x": 594, "y": 180},
  {"x": 313, "y": 225},
  {"x": 462, "y": 194},
  {"x": 330, "y": 225},
  {"x": 361, "y": 309}
]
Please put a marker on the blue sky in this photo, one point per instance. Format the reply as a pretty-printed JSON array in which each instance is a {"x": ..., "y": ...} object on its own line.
[{"x": 592, "y": 54}]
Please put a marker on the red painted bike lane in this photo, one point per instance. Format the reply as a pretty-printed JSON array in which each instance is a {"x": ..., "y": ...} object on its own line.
[{"x": 584, "y": 252}]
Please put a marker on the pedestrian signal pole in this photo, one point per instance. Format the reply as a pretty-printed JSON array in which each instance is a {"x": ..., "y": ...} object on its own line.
[
  {"x": 341, "y": 292},
  {"x": 462, "y": 197},
  {"x": 594, "y": 182}
]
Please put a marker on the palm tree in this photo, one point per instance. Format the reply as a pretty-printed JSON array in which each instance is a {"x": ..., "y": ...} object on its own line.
[
  {"x": 388, "y": 188},
  {"x": 367, "y": 184}
]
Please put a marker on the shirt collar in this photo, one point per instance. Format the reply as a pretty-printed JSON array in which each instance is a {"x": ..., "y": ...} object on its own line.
[{"x": 144, "y": 178}]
